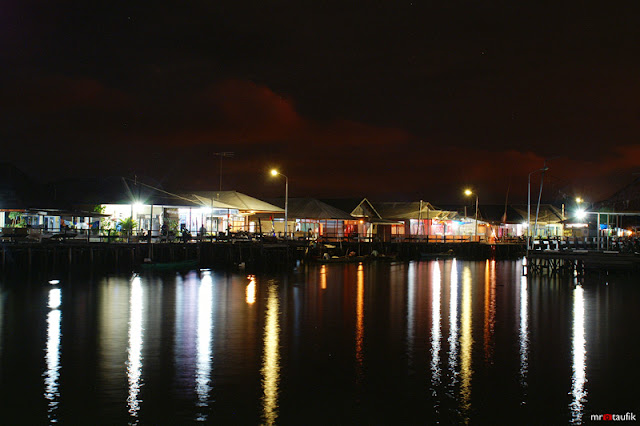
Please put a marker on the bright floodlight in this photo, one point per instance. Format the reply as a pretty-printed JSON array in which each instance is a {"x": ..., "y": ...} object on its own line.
[
  {"x": 581, "y": 214},
  {"x": 274, "y": 172},
  {"x": 468, "y": 192}
]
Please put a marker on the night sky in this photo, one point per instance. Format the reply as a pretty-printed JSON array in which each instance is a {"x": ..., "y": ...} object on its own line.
[{"x": 388, "y": 100}]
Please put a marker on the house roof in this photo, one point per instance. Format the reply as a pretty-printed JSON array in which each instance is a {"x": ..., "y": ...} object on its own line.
[
  {"x": 237, "y": 200},
  {"x": 401, "y": 210},
  {"x": 626, "y": 199},
  {"x": 547, "y": 214},
  {"x": 310, "y": 208}
]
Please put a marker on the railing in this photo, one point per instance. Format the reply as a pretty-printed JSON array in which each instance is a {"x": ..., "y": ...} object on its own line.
[
  {"x": 159, "y": 236},
  {"x": 620, "y": 244}
]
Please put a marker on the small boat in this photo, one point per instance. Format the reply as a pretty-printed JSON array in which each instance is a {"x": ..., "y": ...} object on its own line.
[{"x": 163, "y": 266}]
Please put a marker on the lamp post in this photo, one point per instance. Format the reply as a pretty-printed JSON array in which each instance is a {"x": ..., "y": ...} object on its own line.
[
  {"x": 274, "y": 172},
  {"x": 543, "y": 169},
  {"x": 468, "y": 192}
]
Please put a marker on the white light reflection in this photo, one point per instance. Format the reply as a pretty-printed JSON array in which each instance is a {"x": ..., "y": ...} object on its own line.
[
  {"x": 579, "y": 378},
  {"x": 435, "y": 325},
  {"x": 205, "y": 326},
  {"x": 134, "y": 363},
  {"x": 52, "y": 356},
  {"x": 250, "y": 295},
  {"x": 524, "y": 331},
  {"x": 466, "y": 342},
  {"x": 411, "y": 309},
  {"x": 55, "y": 298},
  {"x": 453, "y": 323},
  {"x": 271, "y": 357}
]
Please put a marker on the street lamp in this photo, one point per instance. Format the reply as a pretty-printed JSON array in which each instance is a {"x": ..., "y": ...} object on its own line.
[
  {"x": 543, "y": 169},
  {"x": 469, "y": 192},
  {"x": 274, "y": 172}
]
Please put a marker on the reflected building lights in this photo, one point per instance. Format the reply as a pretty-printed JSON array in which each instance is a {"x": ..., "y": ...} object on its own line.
[
  {"x": 55, "y": 298},
  {"x": 204, "y": 333},
  {"x": 435, "y": 324},
  {"x": 360, "y": 317},
  {"x": 411, "y": 308},
  {"x": 323, "y": 277},
  {"x": 251, "y": 290},
  {"x": 524, "y": 331},
  {"x": 134, "y": 363},
  {"x": 489, "y": 308},
  {"x": 466, "y": 342},
  {"x": 453, "y": 323},
  {"x": 579, "y": 377},
  {"x": 52, "y": 356},
  {"x": 271, "y": 357}
]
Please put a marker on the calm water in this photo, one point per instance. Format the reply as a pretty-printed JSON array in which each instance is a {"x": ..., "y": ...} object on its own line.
[{"x": 402, "y": 343}]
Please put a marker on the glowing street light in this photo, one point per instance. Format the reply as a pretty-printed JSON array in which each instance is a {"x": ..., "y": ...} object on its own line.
[
  {"x": 274, "y": 172},
  {"x": 468, "y": 193}
]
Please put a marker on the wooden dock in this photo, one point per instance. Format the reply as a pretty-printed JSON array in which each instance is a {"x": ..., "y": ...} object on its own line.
[{"x": 579, "y": 261}]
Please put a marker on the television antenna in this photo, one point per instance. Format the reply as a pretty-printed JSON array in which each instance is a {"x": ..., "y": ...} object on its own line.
[{"x": 222, "y": 155}]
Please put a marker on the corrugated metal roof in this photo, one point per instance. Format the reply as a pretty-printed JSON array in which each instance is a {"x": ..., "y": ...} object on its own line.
[{"x": 237, "y": 200}]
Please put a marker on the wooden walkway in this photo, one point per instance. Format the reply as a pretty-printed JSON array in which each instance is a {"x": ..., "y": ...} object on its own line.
[{"x": 579, "y": 261}]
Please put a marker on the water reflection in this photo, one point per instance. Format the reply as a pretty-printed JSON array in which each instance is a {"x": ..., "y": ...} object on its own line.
[
  {"x": 134, "y": 364},
  {"x": 453, "y": 323},
  {"x": 271, "y": 357},
  {"x": 489, "y": 308},
  {"x": 524, "y": 331},
  {"x": 466, "y": 342},
  {"x": 435, "y": 325},
  {"x": 205, "y": 327},
  {"x": 578, "y": 379},
  {"x": 52, "y": 357},
  {"x": 250, "y": 293},
  {"x": 360, "y": 317},
  {"x": 411, "y": 309},
  {"x": 323, "y": 277}
]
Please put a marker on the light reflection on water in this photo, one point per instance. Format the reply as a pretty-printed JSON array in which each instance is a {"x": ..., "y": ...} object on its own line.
[
  {"x": 436, "y": 283},
  {"x": 136, "y": 338},
  {"x": 579, "y": 353},
  {"x": 261, "y": 349},
  {"x": 489, "y": 308},
  {"x": 359, "y": 319},
  {"x": 411, "y": 309},
  {"x": 271, "y": 356},
  {"x": 204, "y": 339},
  {"x": 466, "y": 343},
  {"x": 52, "y": 357},
  {"x": 524, "y": 332},
  {"x": 453, "y": 324}
]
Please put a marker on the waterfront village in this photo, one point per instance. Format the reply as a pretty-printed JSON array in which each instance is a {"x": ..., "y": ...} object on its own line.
[{"x": 122, "y": 209}]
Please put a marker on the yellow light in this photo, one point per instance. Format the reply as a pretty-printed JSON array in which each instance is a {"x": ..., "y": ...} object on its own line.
[
  {"x": 468, "y": 192},
  {"x": 578, "y": 200},
  {"x": 274, "y": 172},
  {"x": 361, "y": 222}
]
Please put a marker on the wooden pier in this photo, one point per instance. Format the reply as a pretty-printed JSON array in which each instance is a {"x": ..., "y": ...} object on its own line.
[
  {"x": 124, "y": 256},
  {"x": 552, "y": 262}
]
